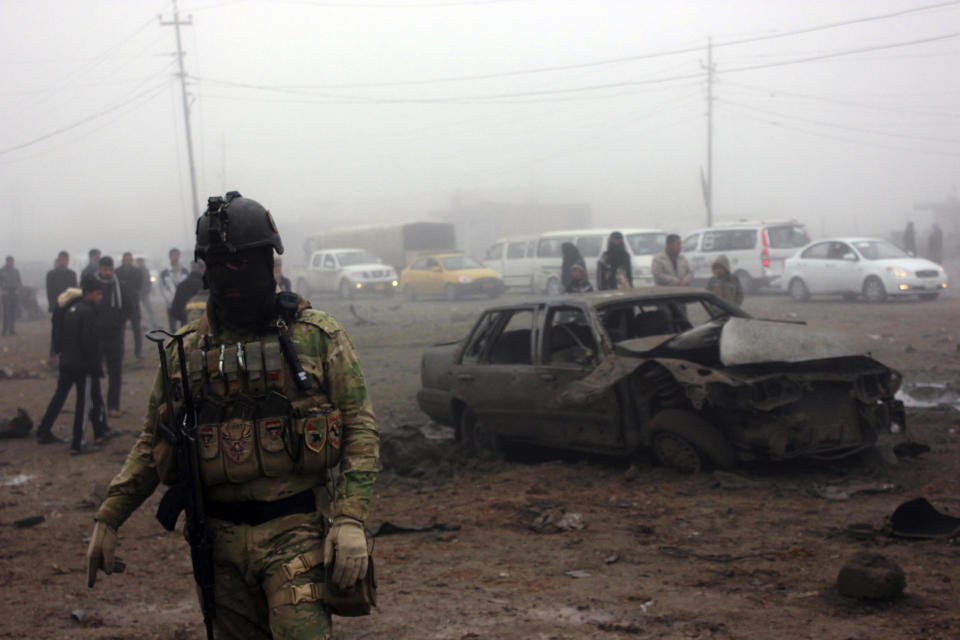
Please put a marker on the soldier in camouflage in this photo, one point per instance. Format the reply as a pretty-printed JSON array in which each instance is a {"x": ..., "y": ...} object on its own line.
[{"x": 266, "y": 448}]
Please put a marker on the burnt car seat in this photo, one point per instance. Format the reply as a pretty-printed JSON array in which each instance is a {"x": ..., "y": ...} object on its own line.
[
  {"x": 513, "y": 347},
  {"x": 651, "y": 323},
  {"x": 562, "y": 345}
]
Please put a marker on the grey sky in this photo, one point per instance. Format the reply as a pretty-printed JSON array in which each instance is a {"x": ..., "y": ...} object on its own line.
[{"x": 845, "y": 144}]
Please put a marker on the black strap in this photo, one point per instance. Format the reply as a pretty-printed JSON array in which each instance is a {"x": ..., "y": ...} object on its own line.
[{"x": 256, "y": 512}]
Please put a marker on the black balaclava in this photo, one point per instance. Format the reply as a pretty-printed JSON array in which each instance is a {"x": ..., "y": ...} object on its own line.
[{"x": 242, "y": 289}]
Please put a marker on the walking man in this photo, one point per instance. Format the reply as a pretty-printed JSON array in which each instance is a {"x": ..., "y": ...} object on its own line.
[
  {"x": 10, "y": 286},
  {"x": 131, "y": 279},
  {"x": 59, "y": 279},
  {"x": 77, "y": 343},
  {"x": 169, "y": 279},
  {"x": 110, "y": 330}
]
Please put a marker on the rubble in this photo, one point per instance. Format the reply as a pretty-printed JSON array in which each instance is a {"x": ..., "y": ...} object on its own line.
[{"x": 871, "y": 576}]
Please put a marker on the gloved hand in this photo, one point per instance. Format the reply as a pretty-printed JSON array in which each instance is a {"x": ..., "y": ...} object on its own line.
[
  {"x": 346, "y": 547},
  {"x": 103, "y": 544}
]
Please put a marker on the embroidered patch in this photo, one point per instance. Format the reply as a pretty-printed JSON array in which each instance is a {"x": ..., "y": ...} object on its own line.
[
  {"x": 207, "y": 439},
  {"x": 335, "y": 425},
  {"x": 271, "y": 434},
  {"x": 237, "y": 437},
  {"x": 314, "y": 433}
]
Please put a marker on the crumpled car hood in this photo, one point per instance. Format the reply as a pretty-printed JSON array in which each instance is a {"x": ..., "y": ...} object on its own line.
[{"x": 751, "y": 341}]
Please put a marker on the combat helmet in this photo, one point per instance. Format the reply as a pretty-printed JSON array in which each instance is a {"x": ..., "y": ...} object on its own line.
[{"x": 233, "y": 223}]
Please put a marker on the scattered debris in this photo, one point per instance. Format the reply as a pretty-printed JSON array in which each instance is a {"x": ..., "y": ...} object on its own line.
[
  {"x": 78, "y": 615},
  {"x": 928, "y": 395},
  {"x": 577, "y": 573},
  {"x": 407, "y": 451},
  {"x": 910, "y": 449},
  {"x": 18, "y": 426},
  {"x": 26, "y": 523},
  {"x": 680, "y": 552},
  {"x": 17, "y": 374},
  {"x": 871, "y": 576},
  {"x": 727, "y": 480},
  {"x": 612, "y": 558},
  {"x": 557, "y": 521},
  {"x": 850, "y": 488},
  {"x": 16, "y": 481},
  {"x": 918, "y": 518},
  {"x": 391, "y": 528}
]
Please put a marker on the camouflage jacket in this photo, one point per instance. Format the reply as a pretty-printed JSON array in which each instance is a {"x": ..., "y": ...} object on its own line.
[{"x": 326, "y": 352}]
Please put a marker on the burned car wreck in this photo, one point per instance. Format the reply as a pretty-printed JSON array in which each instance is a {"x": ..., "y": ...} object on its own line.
[{"x": 675, "y": 370}]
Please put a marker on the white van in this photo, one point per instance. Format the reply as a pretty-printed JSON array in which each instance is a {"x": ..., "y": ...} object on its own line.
[
  {"x": 514, "y": 259},
  {"x": 756, "y": 250},
  {"x": 642, "y": 244}
]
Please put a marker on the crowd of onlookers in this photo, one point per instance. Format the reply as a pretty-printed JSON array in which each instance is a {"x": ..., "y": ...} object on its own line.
[{"x": 670, "y": 268}]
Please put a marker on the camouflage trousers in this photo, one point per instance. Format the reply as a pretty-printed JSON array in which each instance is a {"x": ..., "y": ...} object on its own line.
[{"x": 249, "y": 561}]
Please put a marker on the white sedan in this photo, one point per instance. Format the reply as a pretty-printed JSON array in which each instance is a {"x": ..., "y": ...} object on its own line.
[{"x": 869, "y": 267}]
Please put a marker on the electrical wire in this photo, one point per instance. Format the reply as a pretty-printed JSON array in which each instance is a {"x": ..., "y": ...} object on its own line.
[
  {"x": 818, "y": 134},
  {"x": 634, "y": 58},
  {"x": 844, "y": 127}
]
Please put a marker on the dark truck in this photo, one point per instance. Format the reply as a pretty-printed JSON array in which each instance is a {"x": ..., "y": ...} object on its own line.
[{"x": 676, "y": 370}]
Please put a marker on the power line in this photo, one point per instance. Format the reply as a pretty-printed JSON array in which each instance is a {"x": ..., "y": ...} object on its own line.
[
  {"x": 848, "y": 140},
  {"x": 633, "y": 58},
  {"x": 844, "y": 127},
  {"x": 595, "y": 87},
  {"x": 80, "y": 122}
]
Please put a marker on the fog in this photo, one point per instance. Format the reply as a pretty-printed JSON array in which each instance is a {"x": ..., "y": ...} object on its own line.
[{"x": 336, "y": 113}]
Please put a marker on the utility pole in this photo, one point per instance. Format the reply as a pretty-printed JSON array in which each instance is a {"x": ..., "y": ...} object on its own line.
[
  {"x": 706, "y": 182},
  {"x": 176, "y": 24}
]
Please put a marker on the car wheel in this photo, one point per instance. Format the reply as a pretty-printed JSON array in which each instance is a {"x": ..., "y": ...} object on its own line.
[
  {"x": 929, "y": 297},
  {"x": 686, "y": 442},
  {"x": 749, "y": 285},
  {"x": 346, "y": 291},
  {"x": 408, "y": 293},
  {"x": 873, "y": 290},
  {"x": 674, "y": 451},
  {"x": 799, "y": 291},
  {"x": 553, "y": 287},
  {"x": 450, "y": 292},
  {"x": 475, "y": 438}
]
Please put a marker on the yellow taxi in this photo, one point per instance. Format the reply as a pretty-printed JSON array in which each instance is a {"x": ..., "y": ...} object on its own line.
[{"x": 451, "y": 275}]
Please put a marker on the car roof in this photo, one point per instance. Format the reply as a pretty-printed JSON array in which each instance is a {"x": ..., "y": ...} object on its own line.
[
  {"x": 337, "y": 249},
  {"x": 604, "y": 298},
  {"x": 640, "y": 230},
  {"x": 851, "y": 239},
  {"x": 578, "y": 232},
  {"x": 748, "y": 224},
  {"x": 524, "y": 238}
]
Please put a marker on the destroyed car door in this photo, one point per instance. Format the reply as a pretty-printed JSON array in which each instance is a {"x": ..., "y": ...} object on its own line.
[
  {"x": 568, "y": 352},
  {"x": 494, "y": 375}
]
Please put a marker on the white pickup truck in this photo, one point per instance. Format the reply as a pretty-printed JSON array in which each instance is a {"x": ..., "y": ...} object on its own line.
[{"x": 348, "y": 272}]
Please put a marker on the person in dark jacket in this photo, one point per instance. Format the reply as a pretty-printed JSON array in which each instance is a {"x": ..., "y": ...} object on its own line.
[
  {"x": 93, "y": 263},
  {"x": 579, "y": 283},
  {"x": 110, "y": 329},
  {"x": 614, "y": 270},
  {"x": 131, "y": 279},
  {"x": 59, "y": 279},
  {"x": 283, "y": 282},
  {"x": 190, "y": 287},
  {"x": 77, "y": 343},
  {"x": 10, "y": 287},
  {"x": 571, "y": 258}
]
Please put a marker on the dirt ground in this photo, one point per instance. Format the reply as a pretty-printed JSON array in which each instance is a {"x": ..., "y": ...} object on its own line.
[{"x": 660, "y": 556}]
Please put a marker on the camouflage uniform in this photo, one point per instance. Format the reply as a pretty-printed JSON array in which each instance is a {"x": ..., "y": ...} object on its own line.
[{"x": 254, "y": 563}]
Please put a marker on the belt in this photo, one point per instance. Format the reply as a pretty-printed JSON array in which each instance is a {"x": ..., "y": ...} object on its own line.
[{"x": 256, "y": 512}]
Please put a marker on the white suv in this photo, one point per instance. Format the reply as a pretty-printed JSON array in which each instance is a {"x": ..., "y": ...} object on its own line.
[{"x": 756, "y": 250}]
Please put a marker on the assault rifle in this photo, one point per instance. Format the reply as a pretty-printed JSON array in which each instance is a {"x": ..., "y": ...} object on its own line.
[{"x": 187, "y": 494}]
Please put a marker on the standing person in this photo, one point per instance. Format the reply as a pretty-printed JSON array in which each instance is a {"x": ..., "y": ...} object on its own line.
[
  {"x": 146, "y": 287},
  {"x": 93, "y": 263},
  {"x": 910, "y": 239},
  {"x": 267, "y": 497},
  {"x": 579, "y": 283},
  {"x": 186, "y": 290},
  {"x": 110, "y": 329},
  {"x": 10, "y": 286},
  {"x": 131, "y": 279},
  {"x": 59, "y": 279},
  {"x": 724, "y": 284},
  {"x": 77, "y": 343},
  {"x": 169, "y": 279},
  {"x": 571, "y": 257},
  {"x": 935, "y": 245},
  {"x": 614, "y": 270},
  {"x": 669, "y": 267},
  {"x": 283, "y": 282}
]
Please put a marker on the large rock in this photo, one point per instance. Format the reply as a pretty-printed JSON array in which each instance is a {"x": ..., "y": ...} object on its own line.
[{"x": 871, "y": 576}]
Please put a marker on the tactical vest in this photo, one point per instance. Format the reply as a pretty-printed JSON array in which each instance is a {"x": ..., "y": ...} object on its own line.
[{"x": 252, "y": 421}]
